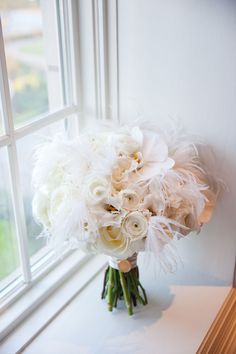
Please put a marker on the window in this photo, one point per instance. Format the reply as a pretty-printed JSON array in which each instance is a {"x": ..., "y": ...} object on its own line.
[{"x": 37, "y": 90}]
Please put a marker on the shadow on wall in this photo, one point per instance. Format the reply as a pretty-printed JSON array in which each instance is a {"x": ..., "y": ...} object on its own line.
[
  {"x": 207, "y": 257},
  {"x": 198, "y": 256}
]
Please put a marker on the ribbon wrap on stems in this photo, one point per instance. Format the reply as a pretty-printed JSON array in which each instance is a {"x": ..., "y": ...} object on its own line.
[
  {"x": 121, "y": 282},
  {"x": 123, "y": 265}
]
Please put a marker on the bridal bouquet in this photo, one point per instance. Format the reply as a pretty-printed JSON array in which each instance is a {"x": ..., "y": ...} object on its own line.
[{"x": 118, "y": 192}]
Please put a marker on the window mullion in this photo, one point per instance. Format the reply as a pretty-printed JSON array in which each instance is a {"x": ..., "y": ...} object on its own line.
[
  {"x": 99, "y": 10},
  {"x": 44, "y": 121},
  {"x": 18, "y": 206},
  {"x": 4, "y": 140},
  {"x": 75, "y": 62},
  {"x": 62, "y": 17},
  {"x": 67, "y": 19}
]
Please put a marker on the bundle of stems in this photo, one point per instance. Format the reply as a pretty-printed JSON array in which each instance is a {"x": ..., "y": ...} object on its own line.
[{"x": 123, "y": 286}]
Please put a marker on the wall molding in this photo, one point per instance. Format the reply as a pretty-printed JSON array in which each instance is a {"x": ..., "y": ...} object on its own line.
[
  {"x": 106, "y": 61},
  {"x": 99, "y": 16},
  {"x": 113, "y": 58}
]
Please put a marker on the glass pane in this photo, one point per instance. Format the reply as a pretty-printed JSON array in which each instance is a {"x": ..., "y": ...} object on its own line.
[
  {"x": 9, "y": 260},
  {"x": 32, "y": 54},
  {"x": 26, "y": 147},
  {"x": 2, "y": 130}
]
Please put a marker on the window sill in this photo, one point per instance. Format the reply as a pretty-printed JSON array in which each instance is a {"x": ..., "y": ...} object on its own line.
[
  {"x": 30, "y": 314},
  {"x": 179, "y": 311}
]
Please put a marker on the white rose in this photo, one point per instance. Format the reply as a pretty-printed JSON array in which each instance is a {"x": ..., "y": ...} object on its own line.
[
  {"x": 112, "y": 242},
  {"x": 135, "y": 226},
  {"x": 96, "y": 190},
  {"x": 56, "y": 177},
  {"x": 210, "y": 203},
  {"x": 40, "y": 206},
  {"x": 59, "y": 197},
  {"x": 115, "y": 243},
  {"x": 185, "y": 215}
]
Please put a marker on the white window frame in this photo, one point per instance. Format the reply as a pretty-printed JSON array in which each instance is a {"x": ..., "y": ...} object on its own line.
[
  {"x": 90, "y": 37},
  {"x": 67, "y": 22}
]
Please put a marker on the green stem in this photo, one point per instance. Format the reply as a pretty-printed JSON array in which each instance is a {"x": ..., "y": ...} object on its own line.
[
  {"x": 130, "y": 288},
  {"x": 103, "y": 295},
  {"x": 126, "y": 293},
  {"x": 133, "y": 279},
  {"x": 123, "y": 286},
  {"x": 144, "y": 293},
  {"x": 110, "y": 287},
  {"x": 135, "y": 272},
  {"x": 115, "y": 290}
]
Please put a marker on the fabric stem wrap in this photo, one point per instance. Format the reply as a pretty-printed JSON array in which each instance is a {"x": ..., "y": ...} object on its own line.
[{"x": 114, "y": 262}]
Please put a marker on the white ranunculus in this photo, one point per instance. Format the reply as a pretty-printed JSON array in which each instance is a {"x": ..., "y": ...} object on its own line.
[
  {"x": 40, "y": 206},
  {"x": 131, "y": 199},
  {"x": 96, "y": 190},
  {"x": 135, "y": 226},
  {"x": 121, "y": 172},
  {"x": 115, "y": 201}
]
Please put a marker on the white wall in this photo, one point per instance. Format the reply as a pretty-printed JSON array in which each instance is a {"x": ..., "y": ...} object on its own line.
[{"x": 178, "y": 59}]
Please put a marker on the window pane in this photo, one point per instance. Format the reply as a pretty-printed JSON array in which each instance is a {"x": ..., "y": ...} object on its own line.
[
  {"x": 1, "y": 120},
  {"x": 32, "y": 54},
  {"x": 26, "y": 147},
  {"x": 9, "y": 260}
]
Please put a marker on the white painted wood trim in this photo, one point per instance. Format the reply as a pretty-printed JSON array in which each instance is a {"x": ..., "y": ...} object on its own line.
[
  {"x": 99, "y": 16},
  {"x": 113, "y": 58},
  {"x": 38, "y": 291},
  {"x": 4, "y": 140},
  {"x": 106, "y": 58},
  {"x": 30, "y": 323},
  {"x": 75, "y": 62},
  {"x": 18, "y": 286},
  {"x": 43, "y": 121},
  {"x": 17, "y": 197},
  {"x": 106, "y": 63}
]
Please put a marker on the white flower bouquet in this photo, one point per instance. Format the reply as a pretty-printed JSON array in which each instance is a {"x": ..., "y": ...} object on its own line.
[{"x": 118, "y": 192}]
